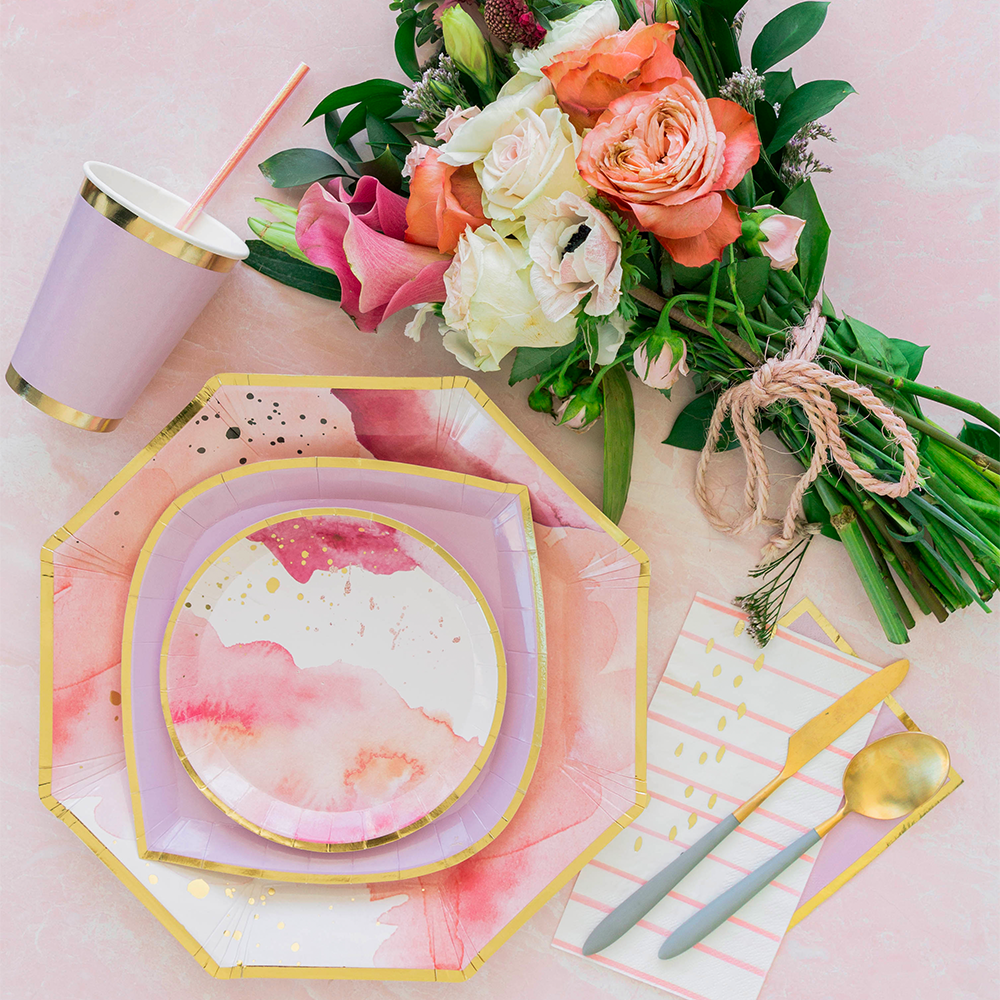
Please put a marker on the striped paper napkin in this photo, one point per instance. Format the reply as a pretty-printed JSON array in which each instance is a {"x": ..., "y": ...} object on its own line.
[{"x": 718, "y": 731}]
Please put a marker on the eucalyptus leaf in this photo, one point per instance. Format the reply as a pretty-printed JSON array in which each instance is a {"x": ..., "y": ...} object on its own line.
[
  {"x": 815, "y": 239},
  {"x": 530, "y": 361},
  {"x": 690, "y": 430},
  {"x": 292, "y": 167},
  {"x": 619, "y": 441},
  {"x": 385, "y": 169},
  {"x": 983, "y": 439},
  {"x": 786, "y": 33},
  {"x": 778, "y": 86},
  {"x": 804, "y": 105},
  {"x": 278, "y": 265},
  {"x": 406, "y": 50},
  {"x": 346, "y": 96}
]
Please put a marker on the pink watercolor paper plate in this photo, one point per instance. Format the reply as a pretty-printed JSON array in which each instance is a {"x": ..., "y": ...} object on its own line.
[
  {"x": 332, "y": 679},
  {"x": 589, "y": 779},
  {"x": 487, "y": 527}
]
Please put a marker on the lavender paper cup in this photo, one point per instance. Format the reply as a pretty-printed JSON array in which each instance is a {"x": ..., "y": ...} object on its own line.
[{"x": 122, "y": 289}]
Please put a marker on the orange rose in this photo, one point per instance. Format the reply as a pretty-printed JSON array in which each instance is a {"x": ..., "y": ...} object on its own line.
[
  {"x": 667, "y": 159},
  {"x": 586, "y": 81},
  {"x": 443, "y": 202}
]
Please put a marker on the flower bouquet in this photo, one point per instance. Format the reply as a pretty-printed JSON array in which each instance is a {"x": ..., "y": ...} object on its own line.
[{"x": 607, "y": 193}]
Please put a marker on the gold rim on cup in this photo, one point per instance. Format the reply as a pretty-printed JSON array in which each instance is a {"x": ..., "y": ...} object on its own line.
[
  {"x": 152, "y": 234},
  {"x": 54, "y": 408}
]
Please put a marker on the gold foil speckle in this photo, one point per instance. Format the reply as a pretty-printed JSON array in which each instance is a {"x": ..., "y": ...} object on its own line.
[
  {"x": 230, "y": 893},
  {"x": 225, "y": 933},
  {"x": 116, "y": 697},
  {"x": 708, "y": 648},
  {"x": 251, "y": 900},
  {"x": 673, "y": 833},
  {"x": 281, "y": 925},
  {"x": 198, "y": 888},
  {"x": 716, "y": 670},
  {"x": 237, "y": 935},
  {"x": 272, "y": 585},
  {"x": 270, "y": 891},
  {"x": 638, "y": 844},
  {"x": 692, "y": 819},
  {"x": 737, "y": 680},
  {"x": 720, "y": 754},
  {"x": 688, "y": 791},
  {"x": 153, "y": 880},
  {"x": 758, "y": 663},
  {"x": 722, "y": 723},
  {"x": 295, "y": 946},
  {"x": 738, "y": 628},
  {"x": 742, "y": 710},
  {"x": 712, "y": 800},
  {"x": 703, "y": 758},
  {"x": 696, "y": 688},
  {"x": 679, "y": 750}
]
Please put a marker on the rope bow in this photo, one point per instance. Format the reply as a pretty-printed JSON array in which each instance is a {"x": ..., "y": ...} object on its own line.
[{"x": 798, "y": 378}]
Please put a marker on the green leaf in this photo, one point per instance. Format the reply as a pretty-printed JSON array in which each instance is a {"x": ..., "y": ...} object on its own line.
[
  {"x": 727, "y": 8},
  {"x": 804, "y": 105},
  {"x": 767, "y": 121},
  {"x": 292, "y": 167},
  {"x": 690, "y": 429},
  {"x": 406, "y": 51},
  {"x": 530, "y": 361},
  {"x": 281, "y": 211},
  {"x": 357, "y": 119},
  {"x": 357, "y": 92},
  {"x": 384, "y": 168},
  {"x": 345, "y": 150},
  {"x": 719, "y": 34},
  {"x": 619, "y": 441},
  {"x": 294, "y": 273},
  {"x": 381, "y": 133},
  {"x": 914, "y": 355},
  {"x": 786, "y": 33},
  {"x": 816, "y": 513},
  {"x": 687, "y": 277},
  {"x": 983, "y": 439},
  {"x": 877, "y": 349},
  {"x": 815, "y": 238},
  {"x": 752, "y": 276},
  {"x": 778, "y": 86}
]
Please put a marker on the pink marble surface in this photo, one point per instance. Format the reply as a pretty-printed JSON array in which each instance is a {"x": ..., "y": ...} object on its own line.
[{"x": 165, "y": 89}]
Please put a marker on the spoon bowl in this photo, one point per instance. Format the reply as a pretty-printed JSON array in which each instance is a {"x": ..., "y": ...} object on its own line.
[{"x": 893, "y": 776}]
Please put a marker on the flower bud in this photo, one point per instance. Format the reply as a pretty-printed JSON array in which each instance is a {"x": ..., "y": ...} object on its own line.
[
  {"x": 464, "y": 42},
  {"x": 660, "y": 360},
  {"x": 581, "y": 410},
  {"x": 766, "y": 232},
  {"x": 540, "y": 399},
  {"x": 279, "y": 236}
]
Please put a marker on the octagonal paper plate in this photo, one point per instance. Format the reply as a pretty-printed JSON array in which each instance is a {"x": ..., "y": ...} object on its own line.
[
  {"x": 487, "y": 526},
  {"x": 589, "y": 780}
]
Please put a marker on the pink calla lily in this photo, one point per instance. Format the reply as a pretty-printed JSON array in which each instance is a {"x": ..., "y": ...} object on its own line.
[{"x": 360, "y": 238}]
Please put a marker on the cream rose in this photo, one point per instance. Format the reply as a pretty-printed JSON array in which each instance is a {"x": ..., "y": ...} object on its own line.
[
  {"x": 576, "y": 251},
  {"x": 489, "y": 305},
  {"x": 580, "y": 30},
  {"x": 533, "y": 157},
  {"x": 474, "y": 138}
]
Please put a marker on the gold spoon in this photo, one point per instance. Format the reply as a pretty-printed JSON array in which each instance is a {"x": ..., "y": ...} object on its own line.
[{"x": 887, "y": 779}]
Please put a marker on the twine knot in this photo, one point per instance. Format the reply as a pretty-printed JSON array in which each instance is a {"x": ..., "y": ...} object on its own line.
[{"x": 796, "y": 377}]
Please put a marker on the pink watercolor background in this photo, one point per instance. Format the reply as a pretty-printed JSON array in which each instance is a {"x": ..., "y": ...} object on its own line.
[{"x": 165, "y": 89}]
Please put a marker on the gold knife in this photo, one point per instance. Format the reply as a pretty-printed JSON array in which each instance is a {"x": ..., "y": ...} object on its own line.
[{"x": 818, "y": 733}]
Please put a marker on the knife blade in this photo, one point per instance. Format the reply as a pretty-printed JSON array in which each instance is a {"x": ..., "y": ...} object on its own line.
[{"x": 817, "y": 734}]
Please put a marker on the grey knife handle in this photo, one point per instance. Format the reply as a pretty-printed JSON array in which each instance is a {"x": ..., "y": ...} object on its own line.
[
  {"x": 723, "y": 907},
  {"x": 632, "y": 910}
]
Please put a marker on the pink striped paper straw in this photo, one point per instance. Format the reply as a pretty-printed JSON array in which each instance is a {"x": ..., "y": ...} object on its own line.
[{"x": 240, "y": 151}]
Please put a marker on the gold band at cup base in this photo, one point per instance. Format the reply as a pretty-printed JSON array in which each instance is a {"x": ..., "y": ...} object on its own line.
[
  {"x": 152, "y": 234},
  {"x": 56, "y": 409}
]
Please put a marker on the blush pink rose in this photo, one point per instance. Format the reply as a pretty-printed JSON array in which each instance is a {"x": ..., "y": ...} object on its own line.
[
  {"x": 586, "y": 81},
  {"x": 781, "y": 241},
  {"x": 667, "y": 159},
  {"x": 665, "y": 368},
  {"x": 360, "y": 238}
]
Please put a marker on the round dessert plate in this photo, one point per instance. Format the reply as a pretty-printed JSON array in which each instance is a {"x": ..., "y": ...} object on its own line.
[{"x": 332, "y": 679}]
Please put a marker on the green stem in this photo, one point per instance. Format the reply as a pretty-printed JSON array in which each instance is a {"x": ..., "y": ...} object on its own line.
[
  {"x": 888, "y": 582},
  {"x": 845, "y": 521},
  {"x": 965, "y": 474}
]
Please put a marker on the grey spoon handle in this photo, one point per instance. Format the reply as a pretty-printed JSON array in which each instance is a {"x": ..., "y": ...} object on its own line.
[
  {"x": 723, "y": 907},
  {"x": 629, "y": 912}
]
